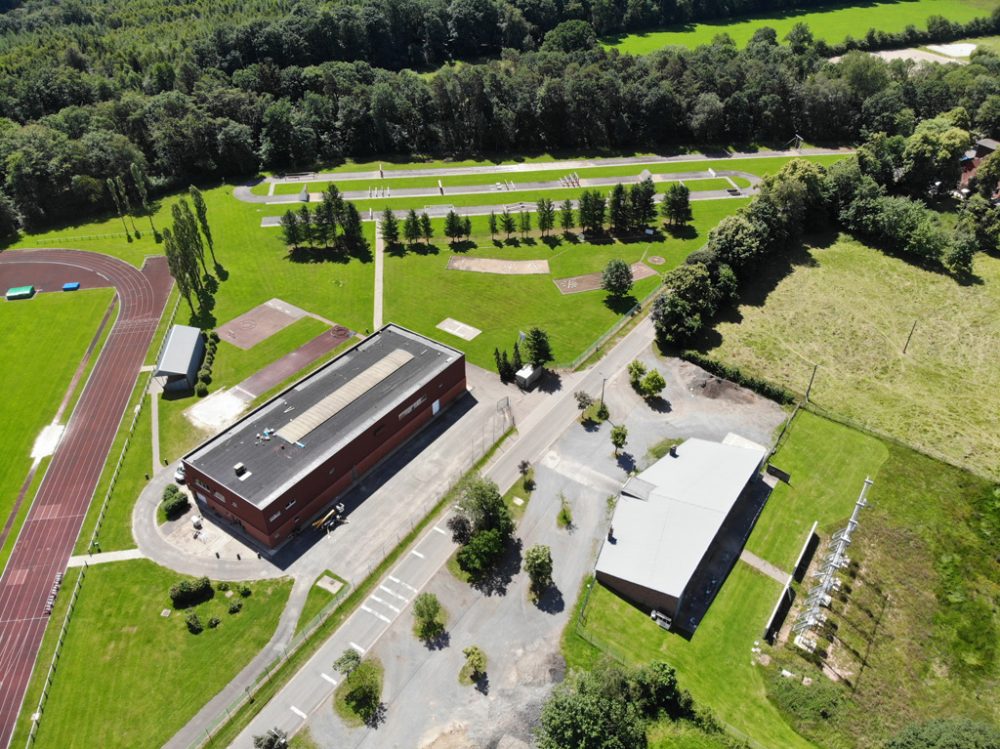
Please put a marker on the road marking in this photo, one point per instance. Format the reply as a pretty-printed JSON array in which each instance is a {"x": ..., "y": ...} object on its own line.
[
  {"x": 441, "y": 531},
  {"x": 417, "y": 553},
  {"x": 329, "y": 679},
  {"x": 298, "y": 712},
  {"x": 376, "y": 614},
  {"x": 405, "y": 585},
  {"x": 357, "y": 647},
  {"x": 384, "y": 603},
  {"x": 394, "y": 594}
]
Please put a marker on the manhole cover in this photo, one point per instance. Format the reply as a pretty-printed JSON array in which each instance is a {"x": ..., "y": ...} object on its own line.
[
  {"x": 656, "y": 260},
  {"x": 165, "y": 613}
]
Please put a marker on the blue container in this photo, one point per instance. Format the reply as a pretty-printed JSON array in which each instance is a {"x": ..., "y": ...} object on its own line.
[{"x": 74, "y": 286}]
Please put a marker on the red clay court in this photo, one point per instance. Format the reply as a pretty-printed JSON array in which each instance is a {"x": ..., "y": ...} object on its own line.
[{"x": 51, "y": 528}]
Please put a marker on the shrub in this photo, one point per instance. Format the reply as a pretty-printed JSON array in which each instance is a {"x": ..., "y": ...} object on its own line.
[
  {"x": 347, "y": 662},
  {"x": 602, "y": 412},
  {"x": 205, "y": 375},
  {"x": 245, "y": 591},
  {"x": 636, "y": 370},
  {"x": 652, "y": 385},
  {"x": 213, "y": 337},
  {"x": 583, "y": 400},
  {"x": 223, "y": 586},
  {"x": 565, "y": 517},
  {"x": 235, "y": 607},
  {"x": 170, "y": 491},
  {"x": 734, "y": 374},
  {"x": 201, "y": 390},
  {"x": 819, "y": 701},
  {"x": 176, "y": 506},
  {"x": 193, "y": 623},
  {"x": 427, "y": 613},
  {"x": 475, "y": 664},
  {"x": 214, "y": 622},
  {"x": 538, "y": 565},
  {"x": 189, "y": 592}
]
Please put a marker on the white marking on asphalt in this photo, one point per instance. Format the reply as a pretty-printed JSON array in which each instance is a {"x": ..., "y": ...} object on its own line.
[
  {"x": 394, "y": 594},
  {"x": 376, "y": 614},
  {"x": 441, "y": 531},
  {"x": 357, "y": 647},
  {"x": 384, "y": 603},
  {"x": 298, "y": 712},
  {"x": 400, "y": 582},
  {"x": 329, "y": 679},
  {"x": 417, "y": 554}
]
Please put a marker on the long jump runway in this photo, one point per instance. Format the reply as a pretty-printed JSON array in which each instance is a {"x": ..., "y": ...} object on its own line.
[{"x": 51, "y": 528}]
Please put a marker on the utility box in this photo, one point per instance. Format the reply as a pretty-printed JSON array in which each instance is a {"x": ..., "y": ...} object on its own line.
[{"x": 527, "y": 376}]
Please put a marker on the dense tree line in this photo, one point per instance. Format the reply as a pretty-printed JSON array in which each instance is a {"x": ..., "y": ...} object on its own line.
[
  {"x": 877, "y": 194},
  {"x": 84, "y": 114}
]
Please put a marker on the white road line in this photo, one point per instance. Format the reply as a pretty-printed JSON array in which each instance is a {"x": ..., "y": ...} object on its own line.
[
  {"x": 416, "y": 553},
  {"x": 405, "y": 585},
  {"x": 329, "y": 679},
  {"x": 298, "y": 712},
  {"x": 384, "y": 603},
  {"x": 441, "y": 531},
  {"x": 394, "y": 594},
  {"x": 357, "y": 647},
  {"x": 376, "y": 614}
]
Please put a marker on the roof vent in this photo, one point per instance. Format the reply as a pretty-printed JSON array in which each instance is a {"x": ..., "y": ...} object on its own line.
[{"x": 240, "y": 469}]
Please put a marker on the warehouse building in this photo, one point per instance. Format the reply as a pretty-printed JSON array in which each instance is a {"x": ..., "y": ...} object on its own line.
[
  {"x": 670, "y": 518},
  {"x": 286, "y": 462}
]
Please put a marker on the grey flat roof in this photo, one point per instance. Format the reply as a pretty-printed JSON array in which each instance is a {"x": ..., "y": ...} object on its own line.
[
  {"x": 181, "y": 344},
  {"x": 660, "y": 541},
  {"x": 275, "y": 464}
]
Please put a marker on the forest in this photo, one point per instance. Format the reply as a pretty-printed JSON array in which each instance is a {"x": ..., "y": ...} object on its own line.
[{"x": 200, "y": 91}]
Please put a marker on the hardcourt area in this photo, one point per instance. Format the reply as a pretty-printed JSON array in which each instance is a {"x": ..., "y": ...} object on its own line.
[
  {"x": 53, "y": 523},
  {"x": 424, "y": 701}
]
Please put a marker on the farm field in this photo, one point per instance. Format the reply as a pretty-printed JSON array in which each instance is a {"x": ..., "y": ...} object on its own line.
[
  {"x": 46, "y": 337},
  {"x": 935, "y": 649},
  {"x": 501, "y": 306},
  {"x": 849, "y": 309},
  {"x": 142, "y": 661},
  {"x": 831, "y": 23}
]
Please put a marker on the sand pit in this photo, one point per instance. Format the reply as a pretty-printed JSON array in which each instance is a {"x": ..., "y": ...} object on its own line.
[
  {"x": 500, "y": 267},
  {"x": 592, "y": 281},
  {"x": 260, "y": 323},
  {"x": 460, "y": 329}
]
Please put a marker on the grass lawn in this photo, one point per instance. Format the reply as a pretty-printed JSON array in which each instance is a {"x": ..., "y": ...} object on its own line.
[
  {"x": 316, "y": 600},
  {"x": 715, "y": 666},
  {"x": 122, "y": 662},
  {"x": 523, "y": 489},
  {"x": 501, "y": 306},
  {"x": 758, "y": 166},
  {"x": 832, "y": 23},
  {"x": 828, "y": 465},
  {"x": 45, "y": 338},
  {"x": 348, "y": 700},
  {"x": 668, "y": 734},
  {"x": 849, "y": 309}
]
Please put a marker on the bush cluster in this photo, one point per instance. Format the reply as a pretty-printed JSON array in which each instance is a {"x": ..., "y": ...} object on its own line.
[
  {"x": 482, "y": 524},
  {"x": 175, "y": 502},
  {"x": 190, "y": 592},
  {"x": 205, "y": 373},
  {"x": 735, "y": 374}
]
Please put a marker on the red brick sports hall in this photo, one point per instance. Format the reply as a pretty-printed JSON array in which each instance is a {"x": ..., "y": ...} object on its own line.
[{"x": 286, "y": 462}]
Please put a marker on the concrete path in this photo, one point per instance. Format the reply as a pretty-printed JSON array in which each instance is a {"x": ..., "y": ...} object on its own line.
[
  {"x": 379, "y": 273},
  {"x": 107, "y": 556},
  {"x": 154, "y": 414},
  {"x": 243, "y": 192},
  {"x": 762, "y": 565}
]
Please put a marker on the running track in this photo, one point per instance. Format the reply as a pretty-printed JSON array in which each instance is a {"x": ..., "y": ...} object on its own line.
[{"x": 50, "y": 531}]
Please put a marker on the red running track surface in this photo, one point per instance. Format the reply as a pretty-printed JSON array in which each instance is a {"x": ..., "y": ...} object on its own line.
[{"x": 50, "y": 530}]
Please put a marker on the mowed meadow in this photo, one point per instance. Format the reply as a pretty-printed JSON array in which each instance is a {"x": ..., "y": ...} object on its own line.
[{"x": 832, "y": 23}]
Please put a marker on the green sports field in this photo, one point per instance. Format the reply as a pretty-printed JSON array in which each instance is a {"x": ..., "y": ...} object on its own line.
[
  {"x": 129, "y": 677},
  {"x": 831, "y": 23},
  {"x": 45, "y": 339}
]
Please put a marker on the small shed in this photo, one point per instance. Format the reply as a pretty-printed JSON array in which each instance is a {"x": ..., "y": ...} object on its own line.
[
  {"x": 20, "y": 292},
  {"x": 527, "y": 376},
  {"x": 177, "y": 367}
]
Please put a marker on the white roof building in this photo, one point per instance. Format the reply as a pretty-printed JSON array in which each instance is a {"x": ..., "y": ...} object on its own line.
[{"x": 668, "y": 516}]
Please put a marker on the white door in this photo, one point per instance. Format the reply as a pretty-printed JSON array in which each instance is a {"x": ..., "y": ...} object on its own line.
[{"x": 435, "y": 407}]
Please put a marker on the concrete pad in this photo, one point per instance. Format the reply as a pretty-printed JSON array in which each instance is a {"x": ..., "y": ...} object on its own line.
[
  {"x": 963, "y": 49},
  {"x": 330, "y": 584},
  {"x": 460, "y": 329},
  {"x": 218, "y": 410},
  {"x": 501, "y": 267},
  {"x": 47, "y": 441}
]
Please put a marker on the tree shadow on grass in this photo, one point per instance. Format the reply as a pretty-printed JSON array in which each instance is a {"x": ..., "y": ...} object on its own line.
[
  {"x": 463, "y": 246},
  {"x": 682, "y": 231},
  {"x": 552, "y": 241},
  {"x": 318, "y": 255},
  {"x": 620, "y": 305}
]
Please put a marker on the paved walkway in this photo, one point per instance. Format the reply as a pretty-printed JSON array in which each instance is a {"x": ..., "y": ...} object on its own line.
[
  {"x": 762, "y": 565},
  {"x": 154, "y": 414},
  {"x": 107, "y": 556},
  {"x": 243, "y": 192},
  {"x": 379, "y": 264}
]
